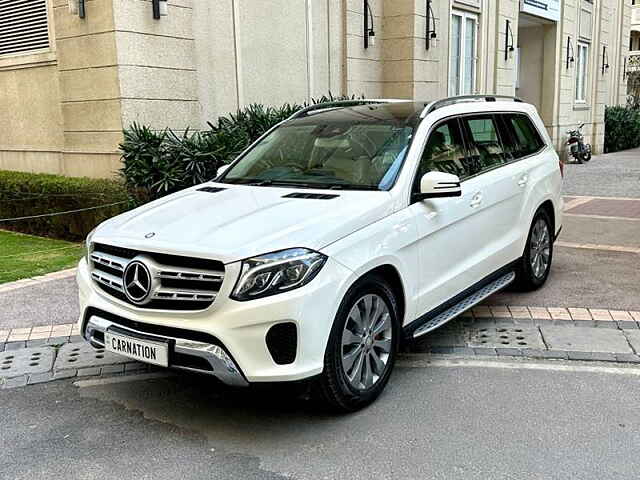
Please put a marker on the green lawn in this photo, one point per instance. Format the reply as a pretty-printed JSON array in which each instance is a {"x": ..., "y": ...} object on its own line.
[{"x": 25, "y": 256}]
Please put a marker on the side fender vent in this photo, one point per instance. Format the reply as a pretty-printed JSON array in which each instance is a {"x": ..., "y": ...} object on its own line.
[
  {"x": 211, "y": 189},
  {"x": 311, "y": 196}
]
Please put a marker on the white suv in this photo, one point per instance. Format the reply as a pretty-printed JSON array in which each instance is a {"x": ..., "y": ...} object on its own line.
[{"x": 341, "y": 233}]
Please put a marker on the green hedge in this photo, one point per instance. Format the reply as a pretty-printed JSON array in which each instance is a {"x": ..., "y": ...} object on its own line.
[
  {"x": 621, "y": 128},
  {"x": 26, "y": 194},
  {"x": 159, "y": 163}
]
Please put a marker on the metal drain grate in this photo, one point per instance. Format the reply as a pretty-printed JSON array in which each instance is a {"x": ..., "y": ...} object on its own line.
[
  {"x": 15, "y": 363},
  {"x": 507, "y": 336},
  {"x": 82, "y": 355}
]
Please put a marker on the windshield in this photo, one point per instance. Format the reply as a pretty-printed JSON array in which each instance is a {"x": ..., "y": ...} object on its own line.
[{"x": 355, "y": 151}]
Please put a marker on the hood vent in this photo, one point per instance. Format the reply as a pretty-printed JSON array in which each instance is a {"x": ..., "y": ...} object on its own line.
[
  {"x": 311, "y": 196},
  {"x": 211, "y": 189}
]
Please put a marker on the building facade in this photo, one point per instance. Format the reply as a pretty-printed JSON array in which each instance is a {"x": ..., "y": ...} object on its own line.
[
  {"x": 633, "y": 64},
  {"x": 73, "y": 73}
]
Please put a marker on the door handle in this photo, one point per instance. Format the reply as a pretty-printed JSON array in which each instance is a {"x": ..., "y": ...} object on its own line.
[
  {"x": 523, "y": 180},
  {"x": 476, "y": 200}
]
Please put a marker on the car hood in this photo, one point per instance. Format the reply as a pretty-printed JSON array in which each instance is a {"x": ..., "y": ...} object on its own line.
[{"x": 243, "y": 221}]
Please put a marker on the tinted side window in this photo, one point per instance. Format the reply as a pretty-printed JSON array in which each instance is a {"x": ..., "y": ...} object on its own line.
[
  {"x": 485, "y": 144},
  {"x": 444, "y": 151},
  {"x": 527, "y": 138}
]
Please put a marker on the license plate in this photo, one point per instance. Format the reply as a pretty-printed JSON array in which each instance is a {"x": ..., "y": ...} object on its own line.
[{"x": 146, "y": 351}]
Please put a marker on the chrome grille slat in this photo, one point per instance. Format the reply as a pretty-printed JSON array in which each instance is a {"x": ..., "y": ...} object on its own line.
[
  {"x": 188, "y": 274},
  {"x": 112, "y": 261},
  {"x": 194, "y": 295},
  {"x": 185, "y": 287},
  {"x": 107, "y": 279}
]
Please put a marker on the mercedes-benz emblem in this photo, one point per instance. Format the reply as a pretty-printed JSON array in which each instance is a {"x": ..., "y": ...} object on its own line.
[{"x": 137, "y": 281}]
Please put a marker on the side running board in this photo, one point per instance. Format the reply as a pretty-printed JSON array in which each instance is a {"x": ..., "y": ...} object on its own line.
[{"x": 465, "y": 304}]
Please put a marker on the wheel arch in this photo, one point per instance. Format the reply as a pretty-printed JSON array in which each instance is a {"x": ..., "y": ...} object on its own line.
[
  {"x": 389, "y": 273},
  {"x": 548, "y": 207}
]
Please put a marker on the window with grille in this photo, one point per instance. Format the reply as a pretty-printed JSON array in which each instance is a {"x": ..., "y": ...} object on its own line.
[{"x": 23, "y": 26}]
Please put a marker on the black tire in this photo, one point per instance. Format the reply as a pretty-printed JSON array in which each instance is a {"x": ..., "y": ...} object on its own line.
[
  {"x": 526, "y": 278},
  {"x": 333, "y": 388},
  {"x": 586, "y": 156}
]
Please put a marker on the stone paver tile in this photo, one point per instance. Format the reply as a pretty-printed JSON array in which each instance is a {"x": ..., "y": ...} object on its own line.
[
  {"x": 519, "y": 312},
  {"x": 539, "y": 313},
  {"x": 620, "y": 315},
  {"x": 61, "y": 331},
  {"x": 482, "y": 312},
  {"x": 17, "y": 337},
  {"x": 580, "y": 313},
  {"x": 20, "y": 381},
  {"x": 14, "y": 363},
  {"x": 578, "y": 339},
  {"x": 83, "y": 355},
  {"x": 600, "y": 314},
  {"x": 634, "y": 339},
  {"x": 38, "y": 335},
  {"x": 20, "y": 331},
  {"x": 635, "y": 315},
  {"x": 42, "y": 328},
  {"x": 500, "y": 312},
  {"x": 559, "y": 313}
]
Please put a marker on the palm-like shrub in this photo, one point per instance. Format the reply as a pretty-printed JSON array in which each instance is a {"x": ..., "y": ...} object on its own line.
[{"x": 156, "y": 163}]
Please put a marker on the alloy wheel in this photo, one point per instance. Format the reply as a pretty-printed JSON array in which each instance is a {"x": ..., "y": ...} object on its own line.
[
  {"x": 366, "y": 342},
  {"x": 540, "y": 248}
]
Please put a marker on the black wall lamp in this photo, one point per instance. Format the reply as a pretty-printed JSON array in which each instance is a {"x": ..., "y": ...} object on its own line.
[
  {"x": 431, "y": 25},
  {"x": 76, "y": 7},
  {"x": 508, "y": 37},
  {"x": 159, "y": 8},
  {"x": 605, "y": 60},
  {"x": 369, "y": 32},
  {"x": 570, "y": 57}
]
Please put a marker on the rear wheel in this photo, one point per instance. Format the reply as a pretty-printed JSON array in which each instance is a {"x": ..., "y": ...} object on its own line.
[
  {"x": 362, "y": 347},
  {"x": 533, "y": 268}
]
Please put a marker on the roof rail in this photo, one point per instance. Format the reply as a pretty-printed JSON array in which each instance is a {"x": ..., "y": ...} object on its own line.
[
  {"x": 464, "y": 98},
  {"x": 344, "y": 103}
]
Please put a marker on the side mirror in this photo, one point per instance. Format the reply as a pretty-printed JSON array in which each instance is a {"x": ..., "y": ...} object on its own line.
[
  {"x": 222, "y": 169},
  {"x": 438, "y": 185}
]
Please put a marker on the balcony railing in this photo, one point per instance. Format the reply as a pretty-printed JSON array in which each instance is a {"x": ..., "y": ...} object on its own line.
[{"x": 633, "y": 64}]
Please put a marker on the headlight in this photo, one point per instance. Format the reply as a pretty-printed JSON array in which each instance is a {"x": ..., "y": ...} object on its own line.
[
  {"x": 277, "y": 272},
  {"x": 87, "y": 244}
]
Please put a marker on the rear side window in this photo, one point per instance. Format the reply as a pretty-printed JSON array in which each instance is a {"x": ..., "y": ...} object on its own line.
[
  {"x": 525, "y": 136},
  {"x": 485, "y": 145}
]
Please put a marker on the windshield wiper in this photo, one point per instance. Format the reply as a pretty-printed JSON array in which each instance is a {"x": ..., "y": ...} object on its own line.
[{"x": 350, "y": 186}]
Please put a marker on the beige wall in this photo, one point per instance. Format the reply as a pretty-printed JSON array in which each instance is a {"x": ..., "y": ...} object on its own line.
[{"x": 282, "y": 52}]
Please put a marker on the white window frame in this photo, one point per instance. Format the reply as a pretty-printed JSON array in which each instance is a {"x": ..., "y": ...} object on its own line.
[
  {"x": 582, "y": 72},
  {"x": 463, "y": 27}
]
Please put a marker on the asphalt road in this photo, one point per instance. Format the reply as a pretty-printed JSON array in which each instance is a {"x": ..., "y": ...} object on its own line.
[{"x": 436, "y": 422}]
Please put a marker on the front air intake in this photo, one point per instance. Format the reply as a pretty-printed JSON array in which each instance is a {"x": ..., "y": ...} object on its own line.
[{"x": 282, "y": 342}]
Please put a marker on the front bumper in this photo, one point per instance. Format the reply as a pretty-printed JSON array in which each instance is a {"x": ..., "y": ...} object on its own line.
[
  {"x": 220, "y": 364},
  {"x": 230, "y": 336}
]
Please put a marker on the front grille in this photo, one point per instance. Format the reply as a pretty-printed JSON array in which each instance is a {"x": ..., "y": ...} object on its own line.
[{"x": 179, "y": 283}]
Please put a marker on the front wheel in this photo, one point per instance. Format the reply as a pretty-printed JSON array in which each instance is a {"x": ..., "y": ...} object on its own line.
[
  {"x": 586, "y": 155},
  {"x": 362, "y": 347},
  {"x": 534, "y": 266}
]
